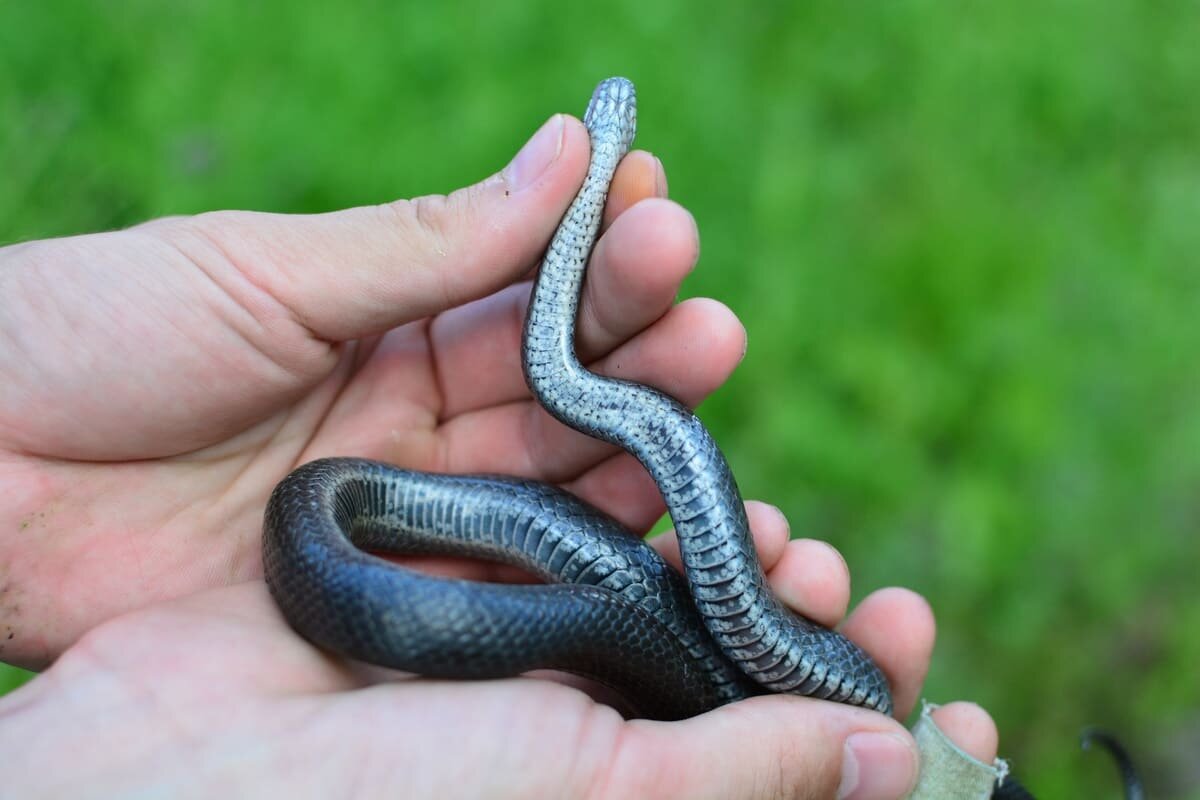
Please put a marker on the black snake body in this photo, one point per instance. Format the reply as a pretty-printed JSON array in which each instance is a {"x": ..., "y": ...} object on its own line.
[
  {"x": 616, "y": 612},
  {"x": 612, "y": 610}
]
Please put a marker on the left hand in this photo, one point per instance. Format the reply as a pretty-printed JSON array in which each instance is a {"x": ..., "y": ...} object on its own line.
[{"x": 156, "y": 383}]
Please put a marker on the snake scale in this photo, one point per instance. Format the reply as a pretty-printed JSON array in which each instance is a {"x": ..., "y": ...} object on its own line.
[{"x": 611, "y": 609}]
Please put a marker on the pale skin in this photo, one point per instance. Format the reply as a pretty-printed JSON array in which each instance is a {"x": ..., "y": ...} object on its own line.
[{"x": 157, "y": 382}]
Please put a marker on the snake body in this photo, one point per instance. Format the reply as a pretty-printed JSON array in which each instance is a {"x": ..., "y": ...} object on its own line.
[{"x": 613, "y": 610}]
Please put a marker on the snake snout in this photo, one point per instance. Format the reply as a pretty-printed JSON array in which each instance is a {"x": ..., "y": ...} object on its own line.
[{"x": 614, "y": 103}]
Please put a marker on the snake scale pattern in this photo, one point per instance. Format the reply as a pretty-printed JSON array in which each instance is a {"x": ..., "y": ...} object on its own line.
[{"x": 612, "y": 609}]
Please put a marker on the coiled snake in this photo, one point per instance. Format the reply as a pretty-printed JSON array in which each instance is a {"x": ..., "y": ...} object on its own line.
[
  {"x": 612, "y": 610},
  {"x": 616, "y": 612}
]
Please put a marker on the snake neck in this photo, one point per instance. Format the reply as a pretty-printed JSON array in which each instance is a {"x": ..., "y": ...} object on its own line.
[{"x": 548, "y": 344}]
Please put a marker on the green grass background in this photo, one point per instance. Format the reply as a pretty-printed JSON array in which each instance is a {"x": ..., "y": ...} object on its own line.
[{"x": 963, "y": 239}]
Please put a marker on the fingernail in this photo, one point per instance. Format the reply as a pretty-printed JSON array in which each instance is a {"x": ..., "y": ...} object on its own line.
[
  {"x": 660, "y": 179},
  {"x": 877, "y": 766},
  {"x": 537, "y": 154}
]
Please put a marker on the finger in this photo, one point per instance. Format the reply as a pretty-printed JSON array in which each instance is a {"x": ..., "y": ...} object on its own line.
[
  {"x": 896, "y": 627},
  {"x": 688, "y": 354},
  {"x": 969, "y": 727},
  {"x": 780, "y": 746},
  {"x": 641, "y": 266},
  {"x": 633, "y": 278},
  {"x": 812, "y": 579},
  {"x": 360, "y": 271},
  {"x": 768, "y": 526},
  {"x": 639, "y": 175},
  {"x": 623, "y": 489}
]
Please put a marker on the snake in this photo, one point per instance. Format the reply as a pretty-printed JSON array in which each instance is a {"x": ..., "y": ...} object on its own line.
[{"x": 610, "y": 607}]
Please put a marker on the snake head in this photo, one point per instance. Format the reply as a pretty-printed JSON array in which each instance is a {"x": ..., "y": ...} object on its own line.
[{"x": 613, "y": 105}]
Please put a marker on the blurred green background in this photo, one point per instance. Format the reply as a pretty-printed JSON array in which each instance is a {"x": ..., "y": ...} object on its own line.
[{"x": 963, "y": 239}]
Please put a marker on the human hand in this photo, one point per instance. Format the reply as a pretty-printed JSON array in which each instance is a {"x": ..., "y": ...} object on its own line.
[
  {"x": 143, "y": 429},
  {"x": 159, "y": 381},
  {"x": 212, "y": 695}
]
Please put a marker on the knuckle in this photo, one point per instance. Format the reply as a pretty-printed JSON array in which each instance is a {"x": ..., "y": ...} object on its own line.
[{"x": 422, "y": 221}]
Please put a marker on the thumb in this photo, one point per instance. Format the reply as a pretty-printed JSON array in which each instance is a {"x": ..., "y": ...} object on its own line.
[
  {"x": 770, "y": 747},
  {"x": 364, "y": 270}
]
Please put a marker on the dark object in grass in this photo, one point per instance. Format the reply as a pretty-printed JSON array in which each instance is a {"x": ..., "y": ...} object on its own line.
[{"x": 1130, "y": 779}]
